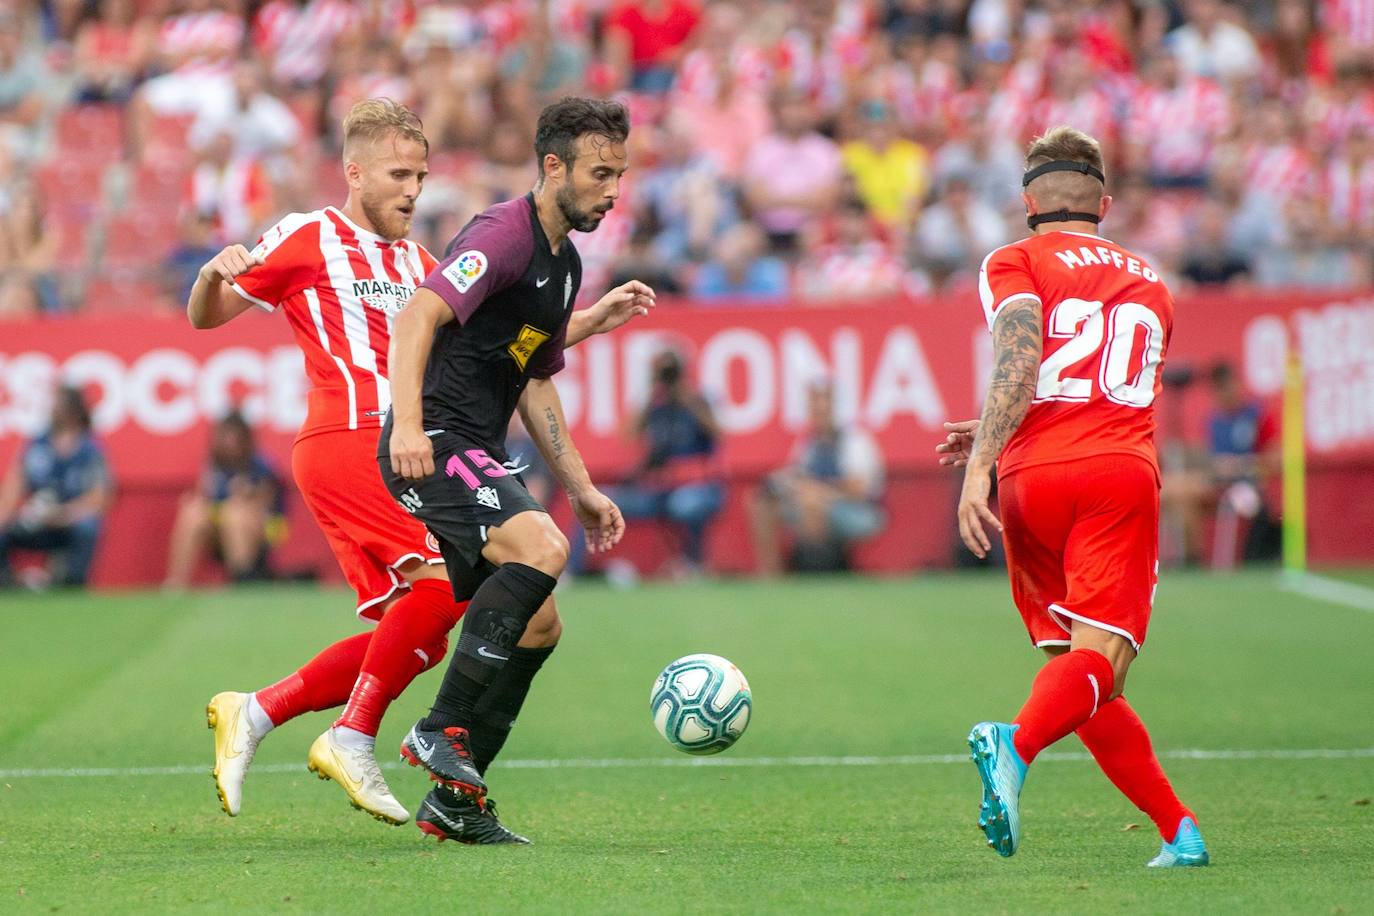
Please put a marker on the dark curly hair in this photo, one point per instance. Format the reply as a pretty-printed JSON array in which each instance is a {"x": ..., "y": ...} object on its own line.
[{"x": 561, "y": 123}]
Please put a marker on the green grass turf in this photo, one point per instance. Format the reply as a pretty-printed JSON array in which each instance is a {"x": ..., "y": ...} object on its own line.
[{"x": 838, "y": 667}]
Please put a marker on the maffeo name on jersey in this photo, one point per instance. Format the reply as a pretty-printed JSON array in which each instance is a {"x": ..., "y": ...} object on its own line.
[{"x": 1102, "y": 256}]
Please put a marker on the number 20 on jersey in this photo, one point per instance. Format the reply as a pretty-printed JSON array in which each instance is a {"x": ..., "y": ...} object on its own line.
[{"x": 1126, "y": 372}]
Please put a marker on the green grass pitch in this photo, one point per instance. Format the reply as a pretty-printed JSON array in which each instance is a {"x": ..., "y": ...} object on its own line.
[{"x": 877, "y": 668}]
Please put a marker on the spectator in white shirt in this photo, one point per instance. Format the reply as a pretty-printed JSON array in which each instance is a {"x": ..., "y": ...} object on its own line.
[
  {"x": 1212, "y": 46},
  {"x": 829, "y": 496}
]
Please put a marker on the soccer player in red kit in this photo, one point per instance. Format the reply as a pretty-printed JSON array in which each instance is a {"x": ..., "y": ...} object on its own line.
[
  {"x": 340, "y": 275},
  {"x": 1080, "y": 326}
]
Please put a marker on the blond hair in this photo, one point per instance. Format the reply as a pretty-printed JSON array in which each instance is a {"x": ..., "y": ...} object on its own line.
[
  {"x": 1073, "y": 190},
  {"x": 374, "y": 119}
]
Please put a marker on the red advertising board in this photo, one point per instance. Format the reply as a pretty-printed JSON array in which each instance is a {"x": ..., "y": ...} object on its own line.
[{"x": 899, "y": 369}]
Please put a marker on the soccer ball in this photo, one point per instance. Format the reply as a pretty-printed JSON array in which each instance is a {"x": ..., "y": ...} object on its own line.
[{"x": 701, "y": 704}]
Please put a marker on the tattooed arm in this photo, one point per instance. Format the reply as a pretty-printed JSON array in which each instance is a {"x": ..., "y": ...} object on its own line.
[
  {"x": 1017, "y": 343},
  {"x": 542, "y": 412}
]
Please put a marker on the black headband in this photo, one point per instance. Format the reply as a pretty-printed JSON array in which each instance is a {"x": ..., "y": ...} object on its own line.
[
  {"x": 1065, "y": 215},
  {"x": 1062, "y": 216},
  {"x": 1061, "y": 165}
]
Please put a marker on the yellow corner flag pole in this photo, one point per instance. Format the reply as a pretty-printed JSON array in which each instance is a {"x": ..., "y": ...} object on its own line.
[{"x": 1294, "y": 470}]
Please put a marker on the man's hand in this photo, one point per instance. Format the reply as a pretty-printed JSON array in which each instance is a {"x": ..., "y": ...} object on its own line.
[
  {"x": 958, "y": 445},
  {"x": 618, "y": 306},
  {"x": 601, "y": 521},
  {"x": 229, "y": 263},
  {"x": 412, "y": 454},
  {"x": 974, "y": 511}
]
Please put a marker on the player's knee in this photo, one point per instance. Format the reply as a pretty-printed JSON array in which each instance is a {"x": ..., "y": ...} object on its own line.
[
  {"x": 548, "y": 552},
  {"x": 433, "y": 653}
]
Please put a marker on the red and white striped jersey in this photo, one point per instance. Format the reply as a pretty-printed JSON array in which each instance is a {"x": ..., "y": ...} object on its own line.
[
  {"x": 237, "y": 197},
  {"x": 299, "y": 38},
  {"x": 1178, "y": 127},
  {"x": 1351, "y": 20},
  {"x": 1348, "y": 189},
  {"x": 340, "y": 287},
  {"x": 835, "y": 271},
  {"x": 699, "y": 75},
  {"x": 1333, "y": 119},
  {"x": 201, "y": 42},
  {"x": 1280, "y": 170},
  {"x": 1090, "y": 111}
]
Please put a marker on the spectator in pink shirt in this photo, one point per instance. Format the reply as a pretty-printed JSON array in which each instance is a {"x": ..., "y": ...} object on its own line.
[{"x": 794, "y": 175}]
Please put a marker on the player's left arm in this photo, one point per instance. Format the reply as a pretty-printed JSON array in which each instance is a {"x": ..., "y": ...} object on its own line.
[
  {"x": 610, "y": 311},
  {"x": 1017, "y": 344},
  {"x": 542, "y": 412}
]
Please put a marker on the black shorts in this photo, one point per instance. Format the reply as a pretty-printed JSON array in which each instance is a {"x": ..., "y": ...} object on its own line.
[{"x": 469, "y": 492}]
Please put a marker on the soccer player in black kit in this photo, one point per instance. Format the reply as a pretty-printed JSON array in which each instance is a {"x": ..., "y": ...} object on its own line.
[{"x": 481, "y": 338}]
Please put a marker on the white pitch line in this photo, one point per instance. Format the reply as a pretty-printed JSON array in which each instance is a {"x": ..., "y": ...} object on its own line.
[
  {"x": 1332, "y": 591},
  {"x": 618, "y": 763}
]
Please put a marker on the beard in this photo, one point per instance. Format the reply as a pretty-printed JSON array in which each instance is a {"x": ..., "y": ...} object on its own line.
[
  {"x": 387, "y": 221},
  {"x": 578, "y": 218}
]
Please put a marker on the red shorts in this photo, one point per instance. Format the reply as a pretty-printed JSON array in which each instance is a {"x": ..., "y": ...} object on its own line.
[
  {"x": 370, "y": 534},
  {"x": 1082, "y": 541}
]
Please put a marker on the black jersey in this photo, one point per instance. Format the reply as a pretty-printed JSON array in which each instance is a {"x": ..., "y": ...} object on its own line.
[{"x": 512, "y": 297}]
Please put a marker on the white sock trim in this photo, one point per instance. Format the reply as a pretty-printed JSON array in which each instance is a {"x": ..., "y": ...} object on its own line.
[
  {"x": 258, "y": 722},
  {"x": 352, "y": 739}
]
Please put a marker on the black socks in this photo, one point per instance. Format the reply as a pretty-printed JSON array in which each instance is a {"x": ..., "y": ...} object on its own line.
[
  {"x": 499, "y": 707},
  {"x": 494, "y": 622}
]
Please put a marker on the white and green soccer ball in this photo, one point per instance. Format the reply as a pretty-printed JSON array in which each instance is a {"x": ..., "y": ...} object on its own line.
[{"x": 701, "y": 704}]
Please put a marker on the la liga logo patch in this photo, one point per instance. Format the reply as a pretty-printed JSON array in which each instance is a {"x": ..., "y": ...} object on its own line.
[{"x": 466, "y": 269}]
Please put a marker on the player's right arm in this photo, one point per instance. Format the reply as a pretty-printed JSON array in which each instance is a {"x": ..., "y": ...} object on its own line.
[
  {"x": 1017, "y": 345},
  {"x": 208, "y": 306},
  {"x": 1012, "y": 306},
  {"x": 412, "y": 338}
]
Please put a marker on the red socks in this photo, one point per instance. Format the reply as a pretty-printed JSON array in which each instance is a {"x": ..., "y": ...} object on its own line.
[
  {"x": 322, "y": 683},
  {"x": 1064, "y": 695},
  {"x": 411, "y": 638},
  {"x": 1119, "y": 743}
]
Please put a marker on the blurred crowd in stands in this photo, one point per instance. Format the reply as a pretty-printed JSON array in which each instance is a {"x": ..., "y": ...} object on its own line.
[{"x": 783, "y": 150}]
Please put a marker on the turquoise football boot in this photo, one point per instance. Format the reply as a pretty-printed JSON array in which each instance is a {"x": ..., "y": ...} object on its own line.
[
  {"x": 1003, "y": 772},
  {"x": 1186, "y": 851}
]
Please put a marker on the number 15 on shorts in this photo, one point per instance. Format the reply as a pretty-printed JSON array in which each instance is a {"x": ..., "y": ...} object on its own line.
[{"x": 477, "y": 460}]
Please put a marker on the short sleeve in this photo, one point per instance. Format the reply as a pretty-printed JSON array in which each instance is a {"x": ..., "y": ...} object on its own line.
[
  {"x": 290, "y": 251},
  {"x": 488, "y": 255},
  {"x": 548, "y": 359},
  {"x": 1005, "y": 275}
]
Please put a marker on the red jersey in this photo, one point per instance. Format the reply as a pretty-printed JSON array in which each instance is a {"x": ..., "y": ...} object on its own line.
[
  {"x": 340, "y": 286},
  {"x": 1107, "y": 319}
]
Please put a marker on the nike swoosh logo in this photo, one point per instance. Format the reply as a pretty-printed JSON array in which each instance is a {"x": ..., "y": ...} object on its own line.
[
  {"x": 457, "y": 827},
  {"x": 539, "y": 284},
  {"x": 230, "y": 751},
  {"x": 482, "y": 651},
  {"x": 354, "y": 786}
]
